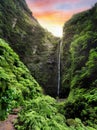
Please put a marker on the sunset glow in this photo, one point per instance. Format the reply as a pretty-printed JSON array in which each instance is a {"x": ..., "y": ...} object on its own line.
[{"x": 52, "y": 14}]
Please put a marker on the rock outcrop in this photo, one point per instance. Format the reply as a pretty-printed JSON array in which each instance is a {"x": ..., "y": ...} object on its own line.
[{"x": 35, "y": 45}]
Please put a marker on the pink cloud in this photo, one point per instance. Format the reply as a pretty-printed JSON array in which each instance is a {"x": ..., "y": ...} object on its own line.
[
  {"x": 57, "y": 16},
  {"x": 47, "y": 3},
  {"x": 56, "y": 12},
  {"x": 43, "y": 3},
  {"x": 41, "y": 10}
]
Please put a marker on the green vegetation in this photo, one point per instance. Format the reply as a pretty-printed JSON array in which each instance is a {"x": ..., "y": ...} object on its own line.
[
  {"x": 18, "y": 88},
  {"x": 41, "y": 113},
  {"x": 79, "y": 70},
  {"x": 38, "y": 49},
  {"x": 16, "y": 83}
]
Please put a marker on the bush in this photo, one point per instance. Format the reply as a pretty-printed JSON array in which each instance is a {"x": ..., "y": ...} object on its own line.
[
  {"x": 41, "y": 113},
  {"x": 16, "y": 83}
]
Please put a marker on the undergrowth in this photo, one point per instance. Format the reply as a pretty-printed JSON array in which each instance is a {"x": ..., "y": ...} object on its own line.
[
  {"x": 19, "y": 88},
  {"x": 16, "y": 83}
]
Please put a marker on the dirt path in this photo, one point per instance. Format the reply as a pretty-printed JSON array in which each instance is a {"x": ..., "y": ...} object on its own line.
[
  {"x": 61, "y": 99},
  {"x": 8, "y": 124}
]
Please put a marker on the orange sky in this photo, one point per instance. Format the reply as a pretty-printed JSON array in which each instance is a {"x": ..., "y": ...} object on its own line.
[{"x": 52, "y": 14}]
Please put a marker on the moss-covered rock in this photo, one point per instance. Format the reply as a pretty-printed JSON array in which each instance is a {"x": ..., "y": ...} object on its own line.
[
  {"x": 79, "y": 66},
  {"x": 35, "y": 45}
]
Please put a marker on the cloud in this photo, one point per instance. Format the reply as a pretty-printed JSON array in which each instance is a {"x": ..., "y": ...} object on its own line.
[
  {"x": 52, "y": 14},
  {"x": 56, "y": 17},
  {"x": 56, "y": 11},
  {"x": 44, "y": 5}
]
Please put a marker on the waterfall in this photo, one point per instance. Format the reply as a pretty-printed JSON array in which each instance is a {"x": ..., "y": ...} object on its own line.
[{"x": 59, "y": 68}]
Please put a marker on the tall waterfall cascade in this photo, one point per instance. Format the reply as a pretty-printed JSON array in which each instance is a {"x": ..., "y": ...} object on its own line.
[{"x": 59, "y": 68}]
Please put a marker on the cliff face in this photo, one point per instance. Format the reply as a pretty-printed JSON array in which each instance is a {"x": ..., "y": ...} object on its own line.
[
  {"x": 35, "y": 46},
  {"x": 79, "y": 66}
]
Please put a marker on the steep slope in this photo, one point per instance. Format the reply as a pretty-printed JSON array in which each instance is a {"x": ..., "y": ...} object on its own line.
[
  {"x": 35, "y": 46},
  {"x": 80, "y": 66},
  {"x": 16, "y": 82}
]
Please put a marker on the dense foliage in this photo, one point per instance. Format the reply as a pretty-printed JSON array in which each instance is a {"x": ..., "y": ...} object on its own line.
[
  {"x": 18, "y": 88},
  {"x": 16, "y": 83},
  {"x": 42, "y": 113},
  {"x": 79, "y": 70},
  {"x": 34, "y": 45}
]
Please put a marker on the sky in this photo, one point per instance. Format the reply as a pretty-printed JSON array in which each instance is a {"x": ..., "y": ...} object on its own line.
[{"x": 52, "y": 14}]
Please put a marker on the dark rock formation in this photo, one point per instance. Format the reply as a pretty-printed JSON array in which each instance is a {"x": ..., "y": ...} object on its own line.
[{"x": 35, "y": 46}]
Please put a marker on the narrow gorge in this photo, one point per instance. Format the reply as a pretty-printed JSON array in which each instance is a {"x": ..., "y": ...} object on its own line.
[{"x": 37, "y": 68}]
